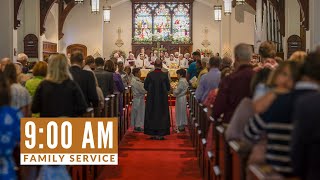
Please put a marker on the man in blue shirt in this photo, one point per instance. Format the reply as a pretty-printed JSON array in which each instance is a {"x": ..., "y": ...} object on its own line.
[
  {"x": 210, "y": 80},
  {"x": 192, "y": 70}
]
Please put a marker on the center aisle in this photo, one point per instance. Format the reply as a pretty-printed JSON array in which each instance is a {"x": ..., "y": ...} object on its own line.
[{"x": 144, "y": 159}]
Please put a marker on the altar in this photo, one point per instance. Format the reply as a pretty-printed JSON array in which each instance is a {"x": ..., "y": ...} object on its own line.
[{"x": 172, "y": 73}]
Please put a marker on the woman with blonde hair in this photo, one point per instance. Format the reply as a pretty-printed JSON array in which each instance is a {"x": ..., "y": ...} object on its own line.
[
  {"x": 299, "y": 57},
  {"x": 58, "y": 96}
]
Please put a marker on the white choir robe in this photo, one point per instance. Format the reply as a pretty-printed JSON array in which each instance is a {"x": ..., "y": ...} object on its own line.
[
  {"x": 139, "y": 63},
  {"x": 181, "y": 102},
  {"x": 138, "y": 104},
  {"x": 147, "y": 63},
  {"x": 169, "y": 62},
  {"x": 183, "y": 63}
]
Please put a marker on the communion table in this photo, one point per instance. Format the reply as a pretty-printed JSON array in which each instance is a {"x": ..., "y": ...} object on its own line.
[{"x": 172, "y": 72}]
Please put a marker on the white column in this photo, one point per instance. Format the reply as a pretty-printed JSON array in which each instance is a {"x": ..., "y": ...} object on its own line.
[
  {"x": 258, "y": 38},
  {"x": 31, "y": 20},
  {"x": 314, "y": 23},
  {"x": 6, "y": 28}
]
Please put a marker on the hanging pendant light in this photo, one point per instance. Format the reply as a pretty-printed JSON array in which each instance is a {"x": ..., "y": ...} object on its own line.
[
  {"x": 217, "y": 13},
  {"x": 95, "y": 6},
  {"x": 79, "y": 1},
  {"x": 240, "y": 2},
  {"x": 106, "y": 14},
  {"x": 227, "y": 7}
]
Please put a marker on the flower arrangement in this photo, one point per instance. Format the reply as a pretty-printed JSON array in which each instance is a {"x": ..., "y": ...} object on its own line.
[
  {"x": 122, "y": 53},
  {"x": 206, "y": 52}
]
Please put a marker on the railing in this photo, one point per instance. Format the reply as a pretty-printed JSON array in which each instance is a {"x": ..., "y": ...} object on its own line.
[{"x": 224, "y": 160}]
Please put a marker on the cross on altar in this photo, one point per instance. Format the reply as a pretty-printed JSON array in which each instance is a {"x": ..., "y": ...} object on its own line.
[{"x": 159, "y": 49}]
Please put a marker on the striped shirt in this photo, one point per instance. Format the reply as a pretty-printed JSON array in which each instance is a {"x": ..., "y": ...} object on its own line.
[{"x": 277, "y": 124}]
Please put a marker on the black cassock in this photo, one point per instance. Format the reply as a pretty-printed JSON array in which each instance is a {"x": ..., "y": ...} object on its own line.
[{"x": 157, "y": 117}]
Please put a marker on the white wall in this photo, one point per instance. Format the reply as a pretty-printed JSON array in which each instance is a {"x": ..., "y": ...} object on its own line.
[
  {"x": 314, "y": 35},
  {"x": 203, "y": 16},
  {"x": 292, "y": 14},
  {"x": 237, "y": 28},
  {"x": 243, "y": 28},
  {"x": 51, "y": 25},
  {"x": 121, "y": 16},
  {"x": 83, "y": 27},
  {"x": 6, "y": 29}
]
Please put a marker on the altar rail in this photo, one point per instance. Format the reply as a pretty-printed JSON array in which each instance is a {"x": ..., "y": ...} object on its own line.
[{"x": 217, "y": 158}]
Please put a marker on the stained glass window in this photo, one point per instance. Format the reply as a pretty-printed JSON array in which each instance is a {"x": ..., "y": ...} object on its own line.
[
  {"x": 181, "y": 23},
  {"x": 162, "y": 22},
  {"x": 143, "y": 23}
]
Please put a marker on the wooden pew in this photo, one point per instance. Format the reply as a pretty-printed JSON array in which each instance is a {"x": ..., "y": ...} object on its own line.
[
  {"x": 263, "y": 172},
  {"x": 210, "y": 154},
  {"x": 107, "y": 107},
  {"x": 224, "y": 157},
  {"x": 89, "y": 113},
  {"x": 239, "y": 152}
]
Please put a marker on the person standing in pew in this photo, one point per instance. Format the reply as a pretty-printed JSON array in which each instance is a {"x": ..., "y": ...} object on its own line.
[
  {"x": 9, "y": 129},
  {"x": 138, "y": 104},
  {"x": 105, "y": 78},
  {"x": 306, "y": 137},
  {"x": 277, "y": 121},
  {"x": 85, "y": 80},
  {"x": 58, "y": 96},
  {"x": 236, "y": 86},
  {"x": 157, "y": 117},
  {"x": 181, "y": 101},
  {"x": 118, "y": 86}
]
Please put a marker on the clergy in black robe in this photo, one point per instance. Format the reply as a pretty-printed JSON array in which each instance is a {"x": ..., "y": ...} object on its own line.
[{"x": 157, "y": 117}]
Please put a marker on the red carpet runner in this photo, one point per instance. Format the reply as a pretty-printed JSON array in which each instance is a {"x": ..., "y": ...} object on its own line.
[{"x": 144, "y": 159}]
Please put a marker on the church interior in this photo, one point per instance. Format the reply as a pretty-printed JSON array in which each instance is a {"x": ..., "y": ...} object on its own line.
[{"x": 201, "y": 89}]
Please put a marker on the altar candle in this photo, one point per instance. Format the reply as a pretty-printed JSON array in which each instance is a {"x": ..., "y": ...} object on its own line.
[{"x": 179, "y": 50}]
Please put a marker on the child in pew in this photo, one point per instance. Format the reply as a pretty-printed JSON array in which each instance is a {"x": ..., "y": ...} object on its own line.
[
  {"x": 138, "y": 105},
  {"x": 181, "y": 101}
]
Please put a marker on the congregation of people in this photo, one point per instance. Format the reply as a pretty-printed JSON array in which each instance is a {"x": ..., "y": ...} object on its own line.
[
  {"x": 268, "y": 103},
  {"x": 65, "y": 86}
]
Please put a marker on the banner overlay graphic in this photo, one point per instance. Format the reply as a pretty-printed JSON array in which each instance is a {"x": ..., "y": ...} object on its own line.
[
  {"x": 69, "y": 159},
  {"x": 69, "y": 141}
]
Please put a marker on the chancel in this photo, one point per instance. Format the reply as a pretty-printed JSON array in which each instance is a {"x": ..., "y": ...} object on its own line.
[{"x": 197, "y": 89}]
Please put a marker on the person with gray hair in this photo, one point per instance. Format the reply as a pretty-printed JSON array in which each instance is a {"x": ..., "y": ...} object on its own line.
[
  {"x": 23, "y": 59},
  {"x": 236, "y": 86}
]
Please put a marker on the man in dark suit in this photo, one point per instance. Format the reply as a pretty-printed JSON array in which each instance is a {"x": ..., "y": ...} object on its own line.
[
  {"x": 85, "y": 80},
  {"x": 305, "y": 146},
  {"x": 105, "y": 78}
]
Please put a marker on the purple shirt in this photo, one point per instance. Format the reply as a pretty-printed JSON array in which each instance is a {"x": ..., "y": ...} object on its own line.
[{"x": 208, "y": 82}]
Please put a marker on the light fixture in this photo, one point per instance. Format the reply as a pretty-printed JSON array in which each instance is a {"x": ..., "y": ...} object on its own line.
[
  {"x": 227, "y": 7},
  {"x": 95, "y": 6},
  {"x": 106, "y": 14},
  {"x": 240, "y": 2},
  {"x": 217, "y": 13},
  {"x": 79, "y": 1}
]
